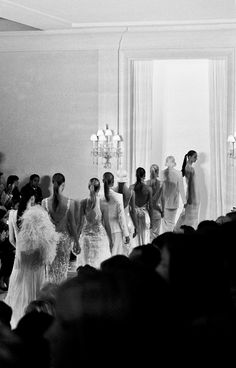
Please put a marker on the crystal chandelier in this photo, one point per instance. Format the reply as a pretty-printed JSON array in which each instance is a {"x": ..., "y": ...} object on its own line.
[
  {"x": 232, "y": 140},
  {"x": 106, "y": 145}
]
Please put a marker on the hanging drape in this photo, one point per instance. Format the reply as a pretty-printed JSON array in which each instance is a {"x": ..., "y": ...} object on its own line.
[
  {"x": 218, "y": 136},
  {"x": 141, "y": 116}
]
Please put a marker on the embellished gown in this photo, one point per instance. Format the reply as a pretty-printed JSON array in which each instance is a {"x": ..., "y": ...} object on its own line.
[
  {"x": 35, "y": 250},
  {"x": 57, "y": 271},
  {"x": 94, "y": 240}
]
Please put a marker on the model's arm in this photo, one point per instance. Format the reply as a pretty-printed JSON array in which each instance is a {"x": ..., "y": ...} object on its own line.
[
  {"x": 72, "y": 227},
  {"x": 122, "y": 220},
  {"x": 132, "y": 212},
  {"x": 181, "y": 189},
  {"x": 81, "y": 217},
  {"x": 150, "y": 206},
  {"x": 106, "y": 223},
  {"x": 12, "y": 236}
]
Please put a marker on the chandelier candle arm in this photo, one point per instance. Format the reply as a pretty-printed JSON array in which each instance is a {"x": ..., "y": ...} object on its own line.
[{"x": 232, "y": 140}]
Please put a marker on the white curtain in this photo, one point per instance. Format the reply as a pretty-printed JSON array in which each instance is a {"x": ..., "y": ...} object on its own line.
[
  {"x": 141, "y": 116},
  {"x": 218, "y": 136}
]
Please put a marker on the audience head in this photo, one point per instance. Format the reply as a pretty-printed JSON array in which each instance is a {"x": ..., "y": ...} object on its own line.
[
  {"x": 207, "y": 227},
  {"x": 5, "y": 314},
  {"x": 12, "y": 181},
  {"x": 34, "y": 324},
  {"x": 48, "y": 293},
  {"x": 147, "y": 255},
  {"x": 94, "y": 187},
  {"x": 116, "y": 263},
  {"x": 85, "y": 270},
  {"x": 108, "y": 181},
  {"x": 44, "y": 306},
  {"x": 2, "y": 182},
  {"x": 190, "y": 157},
  {"x": 186, "y": 229},
  {"x": 222, "y": 219},
  {"x": 34, "y": 180},
  {"x": 58, "y": 181},
  {"x": 103, "y": 308},
  {"x": 170, "y": 161}
]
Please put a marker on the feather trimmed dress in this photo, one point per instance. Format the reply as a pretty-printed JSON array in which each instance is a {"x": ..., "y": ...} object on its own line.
[
  {"x": 58, "y": 270},
  {"x": 35, "y": 250}
]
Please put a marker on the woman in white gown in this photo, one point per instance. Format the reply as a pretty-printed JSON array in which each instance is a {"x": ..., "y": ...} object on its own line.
[
  {"x": 94, "y": 230},
  {"x": 143, "y": 208},
  {"x": 190, "y": 217},
  {"x": 61, "y": 211},
  {"x": 35, "y": 250}
]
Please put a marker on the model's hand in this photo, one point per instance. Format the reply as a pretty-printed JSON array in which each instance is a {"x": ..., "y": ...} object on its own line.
[
  {"x": 111, "y": 245},
  {"x": 76, "y": 248},
  {"x": 127, "y": 240}
]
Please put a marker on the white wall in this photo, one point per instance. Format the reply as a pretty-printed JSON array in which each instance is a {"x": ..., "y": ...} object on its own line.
[
  {"x": 182, "y": 117},
  {"x": 49, "y": 108}
]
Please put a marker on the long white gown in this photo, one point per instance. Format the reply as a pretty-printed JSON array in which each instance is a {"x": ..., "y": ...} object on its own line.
[
  {"x": 189, "y": 216},
  {"x": 193, "y": 198},
  {"x": 58, "y": 270},
  {"x": 94, "y": 240},
  {"x": 35, "y": 249}
]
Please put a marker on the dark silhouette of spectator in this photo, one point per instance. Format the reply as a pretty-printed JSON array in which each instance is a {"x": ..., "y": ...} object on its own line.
[
  {"x": 104, "y": 316},
  {"x": 147, "y": 255},
  {"x": 33, "y": 188},
  {"x": 85, "y": 270},
  {"x": 44, "y": 306},
  {"x": 12, "y": 192},
  {"x": 31, "y": 329},
  {"x": 207, "y": 226},
  {"x": 5, "y": 314},
  {"x": 7, "y": 253}
]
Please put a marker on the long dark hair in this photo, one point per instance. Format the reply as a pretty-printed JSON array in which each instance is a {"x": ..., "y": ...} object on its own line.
[
  {"x": 94, "y": 186},
  {"x": 57, "y": 180},
  {"x": 189, "y": 154},
  {"x": 154, "y": 171},
  {"x": 22, "y": 206},
  {"x": 140, "y": 174},
  {"x": 108, "y": 180}
]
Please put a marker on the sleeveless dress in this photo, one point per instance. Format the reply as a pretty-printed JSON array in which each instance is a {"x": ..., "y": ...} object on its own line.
[
  {"x": 57, "y": 271},
  {"x": 94, "y": 240}
]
